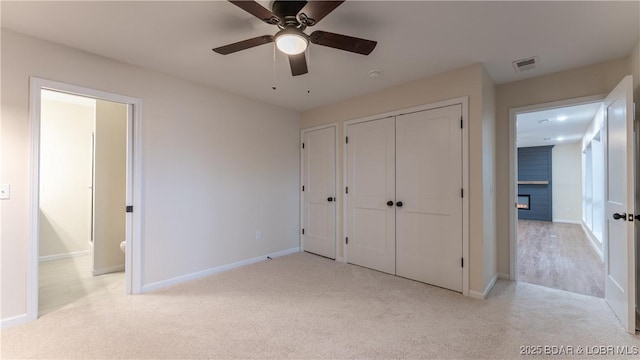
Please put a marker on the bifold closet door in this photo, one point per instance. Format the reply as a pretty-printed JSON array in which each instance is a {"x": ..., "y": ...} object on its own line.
[
  {"x": 371, "y": 185},
  {"x": 319, "y": 192},
  {"x": 429, "y": 184}
]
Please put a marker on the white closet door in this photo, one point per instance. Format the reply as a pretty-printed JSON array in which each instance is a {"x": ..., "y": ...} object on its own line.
[
  {"x": 320, "y": 192},
  {"x": 371, "y": 183},
  {"x": 429, "y": 183}
]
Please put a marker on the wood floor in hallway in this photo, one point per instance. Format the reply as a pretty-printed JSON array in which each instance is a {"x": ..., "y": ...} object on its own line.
[
  {"x": 69, "y": 282},
  {"x": 559, "y": 256}
]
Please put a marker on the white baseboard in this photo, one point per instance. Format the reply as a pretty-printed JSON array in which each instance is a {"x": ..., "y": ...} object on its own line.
[
  {"x": 14, "y": 321},
  {"x": 340, "y": 259},
  {"x": 64, "y": 256},
  {"x": 577, "y": 222},
  {"x": 504, "y": 276},
  {"x": 108, "y": 269},
  {"x": 485, "y": 293},
  {"x": 595, "y": 243},
  {"x": 198, "y": 274}
]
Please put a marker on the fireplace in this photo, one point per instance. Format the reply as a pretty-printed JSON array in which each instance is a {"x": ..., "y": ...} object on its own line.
[{"x": 524, "y": 202}]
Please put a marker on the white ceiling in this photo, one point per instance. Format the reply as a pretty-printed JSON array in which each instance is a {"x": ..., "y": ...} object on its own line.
[
  {"x": 415, "y": 39},
  {"x": 555, "y": 126}
]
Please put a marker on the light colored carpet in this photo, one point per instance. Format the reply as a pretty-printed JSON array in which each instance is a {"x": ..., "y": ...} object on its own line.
[{"x": 305, "y": 306}]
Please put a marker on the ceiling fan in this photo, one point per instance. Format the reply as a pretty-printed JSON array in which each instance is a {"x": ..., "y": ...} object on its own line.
[{"x": 292, "y": 18}]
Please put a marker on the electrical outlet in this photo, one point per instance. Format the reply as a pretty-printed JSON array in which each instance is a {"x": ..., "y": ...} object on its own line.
[
  {"x": 258, "y": 235},
  {"x": 5, "y": 192}
]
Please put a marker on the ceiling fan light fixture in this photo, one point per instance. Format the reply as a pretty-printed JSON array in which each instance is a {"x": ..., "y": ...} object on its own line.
[{"x": 291, "y": 42}]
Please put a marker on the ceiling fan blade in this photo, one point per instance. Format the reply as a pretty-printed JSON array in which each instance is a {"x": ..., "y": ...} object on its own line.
[
  {"x": 243, "y": 45},
  {"x": 343, "y": 42},
  {"x": 256, "y": 10},
  {"x": 298, "y": 64},
  {"x": 315, "y": 11}
]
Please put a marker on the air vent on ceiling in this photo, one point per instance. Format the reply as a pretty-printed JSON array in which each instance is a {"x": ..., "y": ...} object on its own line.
[{"x": 525, "y": 64}]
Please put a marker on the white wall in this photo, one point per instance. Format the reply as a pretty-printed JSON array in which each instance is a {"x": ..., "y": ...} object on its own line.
[
  {"x": 110, "y": 186},
  {"x": 216, "y": 166},
  {"x": 566, "y": 177},
  {"x": 65, "y": 173}
]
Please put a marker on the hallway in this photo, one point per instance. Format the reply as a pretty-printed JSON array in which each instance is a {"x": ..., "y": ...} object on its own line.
[{"x": 559, "y": 256}]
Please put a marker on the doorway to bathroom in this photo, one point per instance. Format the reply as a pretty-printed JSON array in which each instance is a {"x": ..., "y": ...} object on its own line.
[
  {"x": 83, "y": 153},
  {"x": 83, "y": 233}
]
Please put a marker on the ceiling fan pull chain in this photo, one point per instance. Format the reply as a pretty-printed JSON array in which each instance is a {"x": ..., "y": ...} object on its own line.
[
  {"x": 273, "y": 87},
  {"x": 309, "y": 65}
]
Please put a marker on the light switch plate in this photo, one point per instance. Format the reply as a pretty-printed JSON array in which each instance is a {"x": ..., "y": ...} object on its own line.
[{"x": 5, "y": 191}]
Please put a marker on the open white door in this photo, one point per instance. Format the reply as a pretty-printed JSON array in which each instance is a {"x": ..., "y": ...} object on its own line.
[{"x": 620, "y": 204}]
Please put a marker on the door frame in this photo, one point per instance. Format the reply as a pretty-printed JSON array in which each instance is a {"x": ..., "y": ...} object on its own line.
[
  {"x": 464, "y": 102},
  {"x": 134, "y": 253},
  {"x": 337, "y": 195},
  {"x": 513, "y": 165}
]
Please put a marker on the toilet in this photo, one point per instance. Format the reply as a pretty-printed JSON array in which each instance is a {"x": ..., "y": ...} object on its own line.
[{"x": 123, "y": 246}]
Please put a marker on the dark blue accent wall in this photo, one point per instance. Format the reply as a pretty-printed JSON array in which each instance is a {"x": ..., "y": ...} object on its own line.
[{"x": 534, "y": 164}]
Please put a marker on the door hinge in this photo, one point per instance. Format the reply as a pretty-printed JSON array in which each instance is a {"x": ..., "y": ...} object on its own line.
[
  {"x": 129, "y": 208},
  {"x": 461, "y": 122},
  {"x": 302, "y": 231},
  {"x": 303, "y": 145},
  {"x": 461, "y": 262},
  {"x": 347, "y": 241},
  {"x": 461, "y": 193},
  {"x": 346, "y": 190},
  {"x": 302, "y": 187},
  {"x": 347, "y": 139}
]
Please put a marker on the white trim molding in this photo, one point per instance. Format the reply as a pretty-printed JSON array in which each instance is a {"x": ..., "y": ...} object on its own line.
[
  {"x": 64, "y": 255},
  {"x": 14, "y": 321},
  {"x": 108, "y": 270},
  {"x": 199, "y": 274},
  {"x": 593, "y": 240},
  {"x": 577, "y": 222},
  {"x": 503, "y": 276},
  {"x": 487, "y": 289}
]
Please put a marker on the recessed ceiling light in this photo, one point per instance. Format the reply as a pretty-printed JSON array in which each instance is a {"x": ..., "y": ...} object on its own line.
[
  {"x": 560, "y": 138},
  {"x": 561, "y": 118}
]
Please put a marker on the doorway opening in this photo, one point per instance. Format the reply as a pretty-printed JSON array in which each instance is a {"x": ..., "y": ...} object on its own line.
[
  {"x": 85, "y": 238},
  {"x": 560, "y": 198},
  {"x": 82, "y": 197}
]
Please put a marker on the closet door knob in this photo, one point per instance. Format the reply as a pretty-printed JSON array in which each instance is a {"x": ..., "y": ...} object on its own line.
[
  {"x": 622, "y": 216},
  {"x": 389, "y": 203},
  {"x": 399, "y": 204}
]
